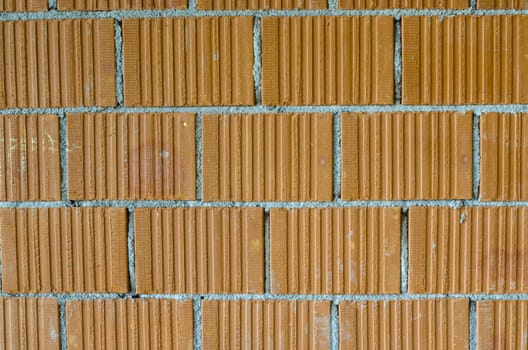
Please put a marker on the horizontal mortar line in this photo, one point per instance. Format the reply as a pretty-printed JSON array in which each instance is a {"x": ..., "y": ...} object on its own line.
[
  {"x": 512, "y": 108},
  {"x": 118, "y": 14},
  {"x": 454, "y": 203},
  {"x": 267, "y": 296}
]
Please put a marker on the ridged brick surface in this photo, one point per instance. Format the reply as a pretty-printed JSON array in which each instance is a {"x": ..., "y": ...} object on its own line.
[
  {"x": 468, "y": 250},
  {"x": 199, "y": 250},
  {"x": 504, "y": 157},
  {"x": 502, "y": 324},
  {"x": 502, "y": 4},
  {"x": 29, "y": 323},
  {"x": 129, "y": 324},
  {"x": 25, "y": 141},
  {"x": 57, "y": 63},
  {"x": 64, "y": 250},
  {"x": 267, "y": 157},
  {"x": 265, "y": 324},
  {"x": 23, "y": 5},
  {"x": 422, "y": 155},
  {"x": 327, "y": 60},
  {"x": 131, "y": 156},
  {"x": 403, "y": 4},
  {"x": 188, "y": 61},
  {"x": 335, "y": 250},
  {"x": 465, "y": 60},
  {"x": 404, "y": 324},
  {"x": 65, "y": 5},
  {"x": 260, "y": 4}
]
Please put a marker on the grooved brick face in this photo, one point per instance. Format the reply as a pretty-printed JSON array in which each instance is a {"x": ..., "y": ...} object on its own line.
[
  {"x": 199, "y": 250},
  {"x": 23, "y": 5},
  {"x": 502, "y": 324},
  {"x": 192, "y": 61},
  {"x": 260, "y": 4},
  {"x": 502, "y": 4},
  {"x": 327, "y": 60},
  {"x": 29, "y": 158},
  {"x": 465, "y": 60},
  {"x": 403, "y": 4},
  {"x": 335, "y": 250},
  {"x": 120, "y": 4}
]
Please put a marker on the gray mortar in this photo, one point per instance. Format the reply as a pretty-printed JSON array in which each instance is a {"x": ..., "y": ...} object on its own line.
[
  {"x": 473, "y": 324},
  {"x": 259, "y": 108}
]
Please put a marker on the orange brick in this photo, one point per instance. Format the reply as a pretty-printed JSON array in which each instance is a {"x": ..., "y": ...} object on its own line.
[
  {"x": 29, "y": 158},
  {"x": 270, "y": 157},
  {"x": 468, "y": 250},
  {"x": 23, "y": 5},
  {"x": 131, "y": 156},
  {"x": 199, "y": 250},
  {"x": 129, "y": 324},
  {"x": 57, "y": 63},
  {"x": 29, "y": 323},
  {"x": 504, "y": 156},
  {"x": 327, "y": 60},
  {"x": 425, "y": 155},
  {"x": 404, "y": 324},
  {"x": 120, "y": 4},
  {"x": 335, "y": 250},
  {"x": 188, "y": 61},
  {"x": 265, "y": 324},
  {"x": 404, "y": 4},
  {"x": 64, "y": 250},
  {"x": 502, "y": 4},
  {"x": 465, "y": 60},
  {"x": 502, "y": 324},
  {"x": 260, "y": 4}
]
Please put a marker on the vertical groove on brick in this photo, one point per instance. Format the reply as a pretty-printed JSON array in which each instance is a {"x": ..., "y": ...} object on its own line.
[
  {"x": 266, "y": 324},
  {"x": 260, "y": 4},
  {"x": 425, "y": 155},
  {"x": 199, "y": 250},
  {"x": 305, "y": 61},
  {"x": 404, "y": 4},
  {"x": 129, "y": 324},
  {"x": 335, "y": 251},
  {"x": 22, "y": 6},
  {"x": 105, "y": 5},
  {"x": 503, "y": 173},
  {"x": 410, "y": 324},
  {"x": 131, "y": 156},
  {"x": 29, "y": 323},
  {"x": 64, "y": 250},
  {"x": 502, "y": 4},
  {"x": 42, "y": 65},
  {"x": 267, "y": 157},
  {"x": 495, "y": 46},
  {"x": 25, "y": 140},
  {"x": 152, "y": 78},
  {"x": 468, "y": 250},
  {"x": 501, "y": 324}
]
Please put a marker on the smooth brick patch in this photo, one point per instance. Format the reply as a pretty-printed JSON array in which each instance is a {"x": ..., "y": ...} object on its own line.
[{"x": 335, "y": 251}]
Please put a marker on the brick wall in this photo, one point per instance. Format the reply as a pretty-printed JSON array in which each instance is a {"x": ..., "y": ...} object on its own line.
[{"x": 217, "y": 174}]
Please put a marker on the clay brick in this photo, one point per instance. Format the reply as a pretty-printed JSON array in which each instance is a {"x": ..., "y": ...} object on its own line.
[
  {"x": 260, "y": 4},
  {"x": 63, "y": 63},
  {"x": 468, "y": 250},
  {"x": 199, "y": 250},
  {"x": 404, "y": 324},
  {"x": 502, "y": 4},
  {"x": 129, "y": 324},
  {"x": 64, "y": 250},
  {"x": 267, "y": 157},
  {"x": 265, "y": 324},
  {"x": 188, "y": 61},
  {"x": 327, "y": 60},
  {"x": 403, "y": 4},
  {"x": 120, "y": 4},
  {"x": 502, "y": 324},
  {"x": 423, "y": 155},
  {"x": 29, "y": 158},
  {"x": 504, "y": 156},
  {"x": 131, "y": 156},
  {"x": 23, "y": 5},
  {"x": 465, "y": 60},
  {"x": 335, "y": 250},
  {"x": 29, "y": 323}
]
